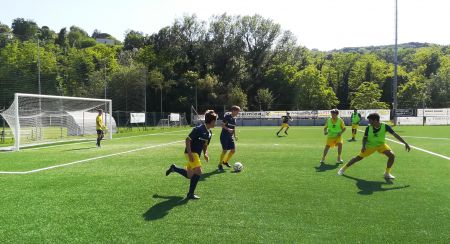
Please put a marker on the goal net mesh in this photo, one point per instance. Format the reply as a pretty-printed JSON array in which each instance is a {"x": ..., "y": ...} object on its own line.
[{"x": 40, "y": 119}]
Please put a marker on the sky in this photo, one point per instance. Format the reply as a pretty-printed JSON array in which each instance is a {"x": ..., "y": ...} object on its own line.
[{"x": 317, "y": 24}]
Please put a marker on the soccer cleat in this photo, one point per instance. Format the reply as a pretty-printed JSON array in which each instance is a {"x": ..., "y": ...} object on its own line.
[
  {"x": 192, "y": 197},
  {"x": 226, "y": 164},
  {"x": 170, "y": 170},
  {"x": 220, "y": 168},
  {"x": 322, "y": 161},
  {"x": 278, "y": 133},
  {"x": 341, "y": 171},
  {"x": 340, "y": 161},
  {"x": 389, "y": 176}
]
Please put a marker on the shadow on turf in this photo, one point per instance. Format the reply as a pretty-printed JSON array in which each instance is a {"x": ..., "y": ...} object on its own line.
[
  {"x": 161, "y": 209},
  {"x": 325, "y": 167},
  {"x": 78, "y": 149},
  {"x": 209, "y": 174},
  {"x": 367, "y": 187}
]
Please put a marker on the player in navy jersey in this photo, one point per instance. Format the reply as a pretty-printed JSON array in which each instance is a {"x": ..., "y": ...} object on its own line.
[
  {"x": 227, "y": 137},
  {"x": 197, "y": 141}
]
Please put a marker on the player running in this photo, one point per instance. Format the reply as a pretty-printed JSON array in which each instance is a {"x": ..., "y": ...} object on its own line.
[
  {"x": 227, "y": 137},
  {"x": 374, "y": 140},
  {"x": 285, "y": 123},
  {"x": 197, "y": 141}
]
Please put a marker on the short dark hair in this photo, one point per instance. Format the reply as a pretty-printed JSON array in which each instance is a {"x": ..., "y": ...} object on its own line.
[
  {"x": 334, "y": 111},
  {"x": 374, "y": 116},
  {"x": 210, "y": 116},
  {"x": 235, "y": 108}
]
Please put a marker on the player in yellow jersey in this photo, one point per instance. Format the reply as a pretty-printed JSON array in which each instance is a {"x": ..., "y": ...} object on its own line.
[
  {"x": 100, "y": 127},
  {"x": 356, "y": 118},
  {"x": 374, "y": 141},
  {"x": 334, "y": 127}
]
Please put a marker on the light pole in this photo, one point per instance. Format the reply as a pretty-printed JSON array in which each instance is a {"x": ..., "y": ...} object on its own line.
[{"x": 394, "y": 83}]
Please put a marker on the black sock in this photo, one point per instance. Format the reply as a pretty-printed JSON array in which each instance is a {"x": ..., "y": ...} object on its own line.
[
  {"x": 180, "y": 171},
  {"x": 98, "y": 142},
  {"x": 194, "y": 180}
]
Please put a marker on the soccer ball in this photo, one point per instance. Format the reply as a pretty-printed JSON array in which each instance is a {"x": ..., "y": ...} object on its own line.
[{"x": 238, "y": 167}]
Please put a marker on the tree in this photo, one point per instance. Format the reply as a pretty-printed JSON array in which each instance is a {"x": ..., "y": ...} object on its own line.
[
  {"x": 133, "y": 39},
  {"x": 237, "y": 97},
  {"x": 24, "y": 29},
  {"x": 413, "y": 94},
  {"x": 79, "y": 38},
  {"x": 312, "y": 91},
  {"x": 265, "y": 98},
  {"x": 61, "y": 40},
  {"x": 46, "y": 35},
  {"x": 367, "y": 96},
  {"x": 439, "y": 85}
]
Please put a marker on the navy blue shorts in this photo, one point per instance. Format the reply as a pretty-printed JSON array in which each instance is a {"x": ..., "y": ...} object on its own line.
[{"x": 227, "y": 142}]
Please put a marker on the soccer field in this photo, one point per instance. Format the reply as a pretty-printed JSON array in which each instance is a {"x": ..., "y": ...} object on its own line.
[{"x": 119, "y": 193}]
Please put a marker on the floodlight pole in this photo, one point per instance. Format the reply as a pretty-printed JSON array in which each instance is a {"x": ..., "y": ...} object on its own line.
[
  {"x": 394, "y": 84},
  {"x": 39, "y": 87}
]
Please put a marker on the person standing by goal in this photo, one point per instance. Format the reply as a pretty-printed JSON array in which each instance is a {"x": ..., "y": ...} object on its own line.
[{"x": 100, "y": 127}]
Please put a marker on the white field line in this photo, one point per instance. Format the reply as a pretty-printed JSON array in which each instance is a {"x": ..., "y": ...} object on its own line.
[
  {"x": 418, "y": 148},
  {"x": 424, "y": 137},
  {"x": 93, "y": 139},
  {"x": 88, "y": 159}
]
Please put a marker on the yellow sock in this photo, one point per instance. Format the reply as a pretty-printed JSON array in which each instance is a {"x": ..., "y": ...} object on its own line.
[
  {"x": 230, "y": 154},
  {"x": 222, "y": 155},
  {"x": 388, "y": 170}
]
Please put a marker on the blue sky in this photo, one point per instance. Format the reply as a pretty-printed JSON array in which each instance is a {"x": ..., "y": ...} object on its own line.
[{"x": 321, "y": 24}]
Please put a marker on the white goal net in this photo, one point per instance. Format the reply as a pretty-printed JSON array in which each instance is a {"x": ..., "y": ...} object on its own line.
[{"x": 40, "y": 119}]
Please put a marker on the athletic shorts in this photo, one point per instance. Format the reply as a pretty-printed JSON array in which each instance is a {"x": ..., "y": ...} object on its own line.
[
  {"x": 369, "y": 150},
  {"x": 355, "y": 126},
  {"x": 100, "y": 132},
  {"x": 332, "y": 142},
  {"x": 227, "y": 142},
  {"x": 284, "y": 125},
  {"x": 194, "y": 164}
]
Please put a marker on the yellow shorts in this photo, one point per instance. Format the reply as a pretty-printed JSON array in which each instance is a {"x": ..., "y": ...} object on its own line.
[
  {"x": 192, "y": 165},
  {"x": 354, "y": 127},
  {"x": 370, "y": 150},
  {"x": 284, "y": 125},
  {"x": 332, "y": 142}
]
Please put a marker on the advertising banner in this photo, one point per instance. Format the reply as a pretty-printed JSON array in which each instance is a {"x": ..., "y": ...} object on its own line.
[{"x": 137, "y": 118}]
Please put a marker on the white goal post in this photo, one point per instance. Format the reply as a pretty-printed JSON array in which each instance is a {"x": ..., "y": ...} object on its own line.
[{"x": 41, "y": 119}]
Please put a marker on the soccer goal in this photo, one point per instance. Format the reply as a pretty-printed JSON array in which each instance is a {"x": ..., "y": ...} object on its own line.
[{"x": 41, "y": 119}]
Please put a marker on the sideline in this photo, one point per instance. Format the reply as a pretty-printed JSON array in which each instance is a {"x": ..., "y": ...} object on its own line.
[{"x": 86, "y": 160}]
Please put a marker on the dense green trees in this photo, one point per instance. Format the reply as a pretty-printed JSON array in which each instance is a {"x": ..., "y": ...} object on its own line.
[{"x": 245, "y": 60}]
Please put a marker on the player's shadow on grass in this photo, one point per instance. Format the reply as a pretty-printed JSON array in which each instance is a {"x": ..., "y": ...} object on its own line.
[
  {"x": 325, "y": 167},
  {"x": 161, "y": 209},
  {"x": 367, "y": 187},
  {"x": 209, "y": 174},
  {"x": 78, "y": 149}
]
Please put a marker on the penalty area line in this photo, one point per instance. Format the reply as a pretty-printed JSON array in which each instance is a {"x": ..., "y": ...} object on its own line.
[
  {"x": 86, "y": 160},
  {"x": 417, "y": 148}
]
